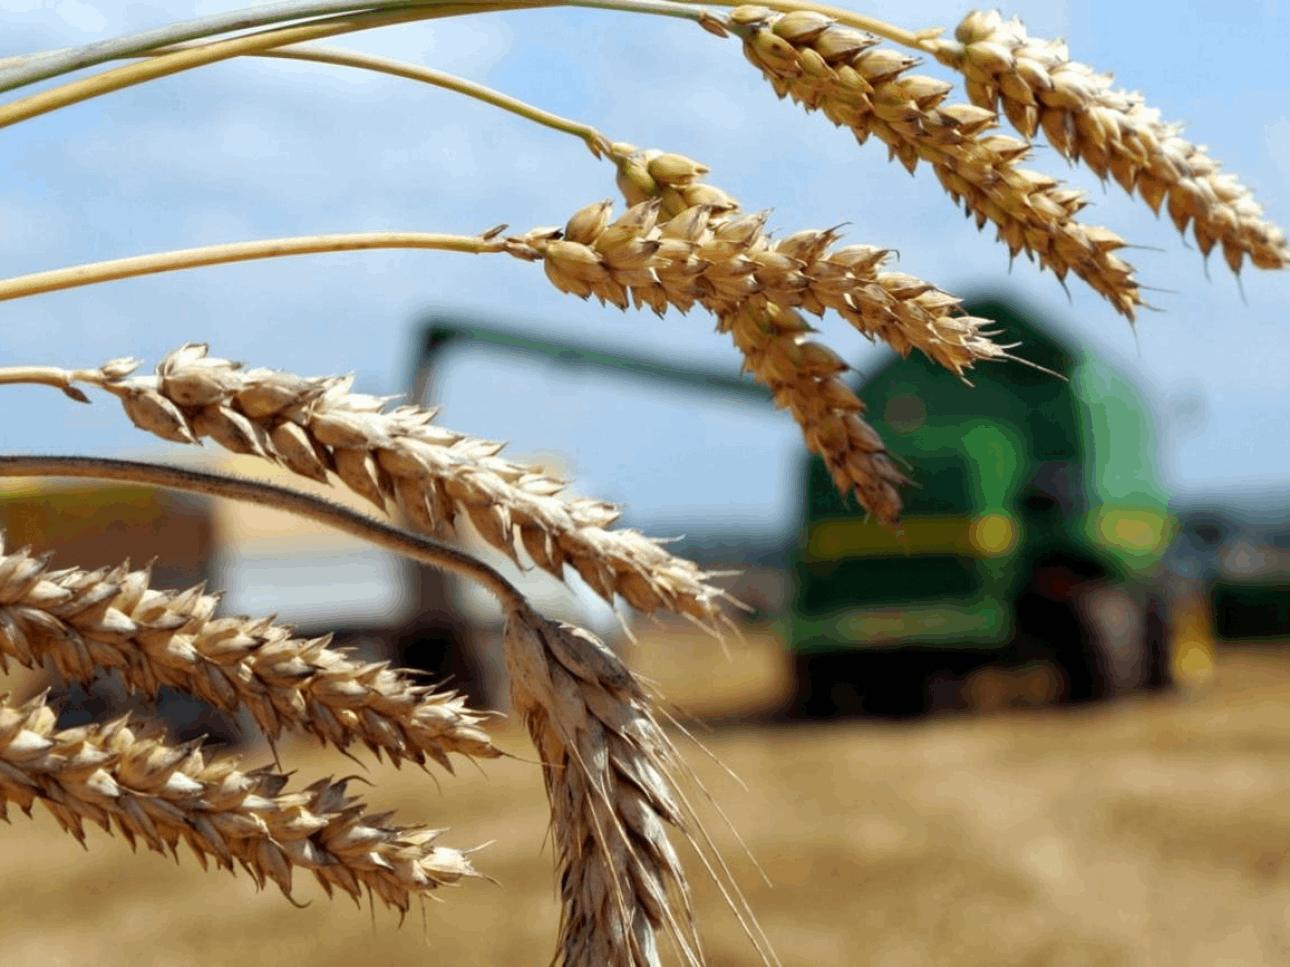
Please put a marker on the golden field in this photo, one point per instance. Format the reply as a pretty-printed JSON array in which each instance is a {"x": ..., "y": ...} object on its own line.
[{"x": 1150, "y": 831}]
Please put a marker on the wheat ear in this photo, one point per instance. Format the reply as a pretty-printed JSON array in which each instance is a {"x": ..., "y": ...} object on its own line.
[
  {"x": 86, "y": 621},
  {"x": 1114, "y": 132},
  {"x": 164, "y": 795},
  {"x": 841, "y": 71},
  {"x": 609, "y": 771},
  {"x": 803, "y": 376},
  {"x": 684, "y": 241},
  {"x": 316, "y": 426}
]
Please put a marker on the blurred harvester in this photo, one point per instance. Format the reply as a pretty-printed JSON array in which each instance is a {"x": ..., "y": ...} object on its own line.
[{"x": 1028, "y": 567}]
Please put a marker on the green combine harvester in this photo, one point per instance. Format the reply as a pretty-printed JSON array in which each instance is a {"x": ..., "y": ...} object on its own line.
[{"x": 1031, "y": 538}]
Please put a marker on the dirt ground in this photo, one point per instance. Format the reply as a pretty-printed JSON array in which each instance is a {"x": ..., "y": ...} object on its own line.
[{"x": 1145, "y": 832}]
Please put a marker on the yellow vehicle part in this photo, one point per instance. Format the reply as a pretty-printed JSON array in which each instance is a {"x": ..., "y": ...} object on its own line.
[
  {"x": 1191, "y": 641},
  {"x": 988, "y": 535}
]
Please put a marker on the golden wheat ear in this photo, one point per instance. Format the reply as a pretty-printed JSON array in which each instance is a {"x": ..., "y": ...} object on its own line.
[
  {"x": 1112, "y": 131},
  {"x": 610, "y": 773},
  {"x": 684, "y": 242},
  {"x": 85, "y": 622},
  {"x": 842, "y": 72},
  {"x": 129, "y": 777}
]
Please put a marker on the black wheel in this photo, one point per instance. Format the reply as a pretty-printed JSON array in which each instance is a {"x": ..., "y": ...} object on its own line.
[
  {"x": 876, "y": 682},
  {"x": 1155, "y": 644},
  {"x": 826, "y": 686}
]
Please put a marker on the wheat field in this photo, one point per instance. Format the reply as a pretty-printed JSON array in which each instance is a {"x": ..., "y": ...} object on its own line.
[{"x": 1149, "y": 832}]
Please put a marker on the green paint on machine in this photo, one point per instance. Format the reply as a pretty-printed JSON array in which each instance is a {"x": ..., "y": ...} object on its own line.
[{"x": 1016, "y": 470}]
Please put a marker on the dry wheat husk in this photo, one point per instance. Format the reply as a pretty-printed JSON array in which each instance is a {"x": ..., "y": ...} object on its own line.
[
  {"x": 827, "y": 410},
  {"x": 317, "y": 426},
  {"x": 118, "y": 774},
  {"x": 684, "y": 242},
  {"x": 1112, "y": 131},
  {"x": 693, "y": 243},
  {"x": 609, "y": 771},
  {"x": 85, "y": 623},
  {"x": 866, "y": 88}
]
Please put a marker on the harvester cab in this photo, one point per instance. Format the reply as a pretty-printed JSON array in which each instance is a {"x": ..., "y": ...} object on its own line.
[{"x": 1029, "y": 540}]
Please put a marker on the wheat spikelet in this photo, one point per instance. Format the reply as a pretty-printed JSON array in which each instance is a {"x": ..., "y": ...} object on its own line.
[
  {"x": 316, "y": 426},
  {"x": 802, "y": 375},
  {"x": 166, "y": 795},
  {"x": 706, "y": 250},
  {"x": 683, "y": 242},
  {"x": 86, "y": 621},
  {"x": 1114, "y": 132},
  {"x": 609, "y": 771},
  {"x": 843, "y": 73},
  {"x": 804, "y": 378}
]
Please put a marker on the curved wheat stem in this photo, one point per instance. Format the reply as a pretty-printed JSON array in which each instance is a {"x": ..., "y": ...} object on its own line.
[
  {"x": 596, "y": 142},
  {"x": 166, "y": 795},
  {"x": 346, "y": 17},
  {"x": 112, "y": 270},
  {"x": 1114, "y": 132},
  {"x": 19, "y": 71},
  {"x": 88, "y": 622},
  {"x": 163, "y": 65},
  {"x": 840, "y": 71}
]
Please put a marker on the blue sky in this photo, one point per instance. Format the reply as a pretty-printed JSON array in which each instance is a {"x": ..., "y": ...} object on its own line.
[{"x": 261, "y": 149}]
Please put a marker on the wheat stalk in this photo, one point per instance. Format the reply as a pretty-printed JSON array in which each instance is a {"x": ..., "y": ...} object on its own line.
[
  {"x": 111, "y": 270},
  {"x": 165, "y": 795},
  {"x": 1114, "y": 132},
  {"x": 187, "y": 58}
]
